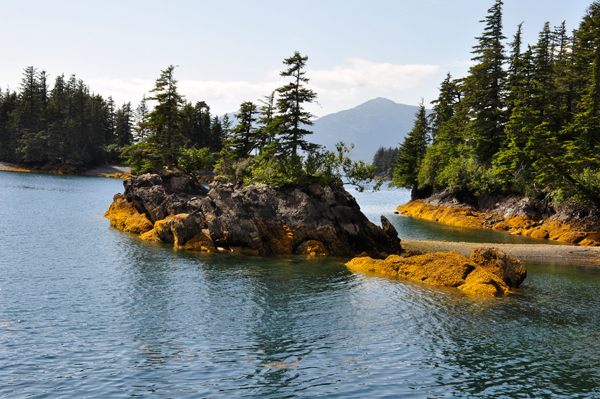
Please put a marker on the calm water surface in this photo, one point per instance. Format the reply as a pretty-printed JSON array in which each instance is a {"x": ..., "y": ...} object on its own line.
[{"x": 88, "y": 311}]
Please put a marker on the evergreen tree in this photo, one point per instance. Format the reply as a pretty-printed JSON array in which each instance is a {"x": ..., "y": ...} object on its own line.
[
  {"x": 242, "y": 138},
  {"x": 292, "y": 117},
  {"x": 141, "y": 119},
  {"x": 485, "y": 88},
  {"x": 164, "y": 122},
  {"x": 124, "y": 125},
  {"x": 412, "y": 151},
  {"x": 264, "y": 132}
]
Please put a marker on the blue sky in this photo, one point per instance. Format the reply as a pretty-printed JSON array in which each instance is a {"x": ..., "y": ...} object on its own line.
[{"x": 231, "y": 51}]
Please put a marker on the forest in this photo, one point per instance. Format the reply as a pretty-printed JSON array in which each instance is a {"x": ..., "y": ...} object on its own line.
[
  {"x": 525, "y": 120},
  {"x": 69, "y": 122}
]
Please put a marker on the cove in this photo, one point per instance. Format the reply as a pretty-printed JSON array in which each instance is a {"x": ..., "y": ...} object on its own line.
[{"x": 89, "y": 311}]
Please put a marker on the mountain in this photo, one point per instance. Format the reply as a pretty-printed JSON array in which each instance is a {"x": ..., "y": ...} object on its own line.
[{"x": 378, "y": 122}]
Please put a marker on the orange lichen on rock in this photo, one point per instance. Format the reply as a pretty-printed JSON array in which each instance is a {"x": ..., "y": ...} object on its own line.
[
  {"x": 124, "y": 216},
  {"x": 488, "y": 272},
  {"x": 455, "y": 216}
]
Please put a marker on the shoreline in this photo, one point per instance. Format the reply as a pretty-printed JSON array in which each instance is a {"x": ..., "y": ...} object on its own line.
[
  {"x": 512, "y": 217},
  {"x": 115, "y": 171},
  {"x": 569, "y": 253}
]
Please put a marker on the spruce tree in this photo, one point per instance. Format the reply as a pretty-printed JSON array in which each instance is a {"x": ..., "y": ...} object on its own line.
[
  {"x": 164, "y": 122},
  {"x": 485, "y": 88},
  {"x": 292, "y": 117},
  {"x": 242, "y": 138},
  {"x": 412, "y": 151}
]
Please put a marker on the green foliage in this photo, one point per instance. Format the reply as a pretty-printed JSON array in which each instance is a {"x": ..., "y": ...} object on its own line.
[
  {"x": 164, "y": 122},
  {"x": 194, "y": 160},
  {"x": 531, "y": 129},
  {"x": 576, "y": 197},
  {"x": 243, "y": 137},
  {"x": 412, "y": 151},
  {"x": 484, "y": 88},
  {"x": 289, "y": 123},
  {"x": 384, "y": 159},
  {"x": 144, "y": 158}
]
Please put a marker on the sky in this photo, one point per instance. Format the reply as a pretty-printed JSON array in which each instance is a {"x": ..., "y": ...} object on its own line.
[{"x": 231, "y": 51}]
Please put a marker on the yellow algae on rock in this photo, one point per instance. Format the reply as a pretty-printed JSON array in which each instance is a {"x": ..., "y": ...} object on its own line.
[
  {"x": 119, "y": 175},
  {"x": 124, "y": 216},
  {"x": 200, "y": 242},
  {"x": 366, "y": 264},
  {"x": 150, "y": 236},
  {"x": 494, "y": 260},
  {"x": 570, "y": 232},
  {"x": 482, "y": 282},
  {"x": 312, "y": 248},
  {"x": 454, "y": 216},
  {"x": 451, "y": 270},
  {"x": 445, "y": 269}
]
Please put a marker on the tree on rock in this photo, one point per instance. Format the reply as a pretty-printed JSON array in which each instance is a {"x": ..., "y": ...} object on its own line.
[
  {"x": 165, "y": 120},
  {"x": 290, "y": 106}
]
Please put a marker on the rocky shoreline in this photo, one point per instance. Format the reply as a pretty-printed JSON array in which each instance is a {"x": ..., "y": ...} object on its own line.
[
  {"x": 58, "y": 168},
  {"x": 257, "y": 219},
  {"x": 488, "y": 271},
  {"x": 519, "y": 216}
]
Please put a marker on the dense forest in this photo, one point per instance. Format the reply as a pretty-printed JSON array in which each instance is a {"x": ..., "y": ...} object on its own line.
[
  {"x": 384, "y": 160},
  {"x": 267, "y": 145},
  {"x": 69, "y": 122},
  {"x": 525, "y": 120}
]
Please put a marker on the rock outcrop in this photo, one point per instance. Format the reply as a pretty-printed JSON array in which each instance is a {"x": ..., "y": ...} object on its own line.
[
  {"x": 488, "y": 271},
  {"x": 257, "y": 219},
  {"x": 512, "y": 215}
]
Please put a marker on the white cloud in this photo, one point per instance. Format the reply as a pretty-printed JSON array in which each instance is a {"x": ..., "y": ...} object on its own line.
[
  {"x": 368, "y": 74},
  {"x": 337, "y": 88},
  {"x": 228, "y": 91}
]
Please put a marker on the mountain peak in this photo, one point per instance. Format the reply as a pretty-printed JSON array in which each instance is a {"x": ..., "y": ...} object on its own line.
[{"x": 377, "y": 122}]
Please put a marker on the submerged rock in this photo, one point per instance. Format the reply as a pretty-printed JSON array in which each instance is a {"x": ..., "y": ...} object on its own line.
[
  {"x": 488, "y": 272},
  {"x": 259, "y": 219}
]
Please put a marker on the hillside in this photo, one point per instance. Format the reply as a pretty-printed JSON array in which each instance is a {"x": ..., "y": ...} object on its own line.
[{"x": 378, "y": 122}]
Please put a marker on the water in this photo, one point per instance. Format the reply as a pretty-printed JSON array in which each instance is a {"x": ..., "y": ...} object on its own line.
[
  {"x": 87, "y": 311},
  {"x": 374, "y": 204}
]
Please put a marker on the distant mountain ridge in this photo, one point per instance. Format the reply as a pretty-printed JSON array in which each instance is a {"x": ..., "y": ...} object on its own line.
[
  {"x": 370, "y": 125},
  {"x": 375, "y": 123}
]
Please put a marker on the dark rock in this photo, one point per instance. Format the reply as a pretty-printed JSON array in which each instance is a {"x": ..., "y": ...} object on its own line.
[{"x": 259, "y": 218}]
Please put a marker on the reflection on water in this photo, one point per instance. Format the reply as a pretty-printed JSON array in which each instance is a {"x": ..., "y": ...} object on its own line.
[{"x": 88, "y": 311}]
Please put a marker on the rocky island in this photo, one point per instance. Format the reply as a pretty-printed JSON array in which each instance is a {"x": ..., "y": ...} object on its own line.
[{"x": 256, "y": 219}]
